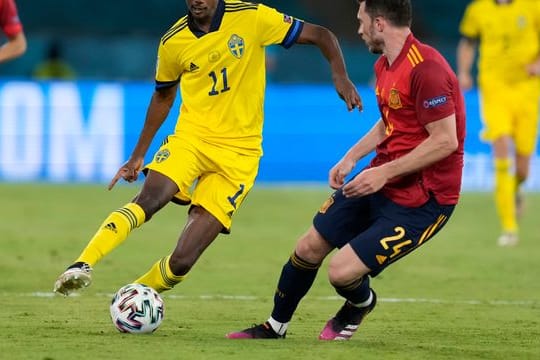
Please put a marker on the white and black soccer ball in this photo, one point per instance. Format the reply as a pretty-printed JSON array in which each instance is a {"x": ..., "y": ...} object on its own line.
[{"x": 137, "y": 309}]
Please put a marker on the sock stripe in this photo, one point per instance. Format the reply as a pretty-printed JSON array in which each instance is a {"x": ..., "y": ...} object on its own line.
[
  {"x": 353, "y": 285},
  {"x": 163, "y": 270},
  {"x": 130, "y": 216},
  {"x": 303, "y": 264}
]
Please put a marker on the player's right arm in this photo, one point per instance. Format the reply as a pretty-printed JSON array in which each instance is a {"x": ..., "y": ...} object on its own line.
[
  {"x": 160, "y": 105},
  {"x": 466, "y": 52},
  {"x": 364, "y": 146},
  {"x": 470, "y": 30},
  {"x": 168, "y": 73}
]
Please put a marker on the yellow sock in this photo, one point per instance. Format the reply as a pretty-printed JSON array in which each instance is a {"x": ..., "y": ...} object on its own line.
[
  {"x": 112, "y": 232},
  {"x": 160, "y": 277},
  {"x": 505, "y": 194}
]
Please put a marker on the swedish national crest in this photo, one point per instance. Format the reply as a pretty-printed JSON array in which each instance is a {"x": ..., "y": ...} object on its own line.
[
  {"x": 236, "y": 46},
  {"x": 162, "y": 155}
]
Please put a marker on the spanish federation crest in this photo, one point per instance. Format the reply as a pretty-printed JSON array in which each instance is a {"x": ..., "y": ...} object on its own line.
[
  {"x": 329, "y": 202},
  {"x": 393, "y": 99},
  {"x": 236, "y": 46}
]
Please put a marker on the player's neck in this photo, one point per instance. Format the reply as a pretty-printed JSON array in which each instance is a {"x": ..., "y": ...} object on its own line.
[{"x": 394, "y": 43}]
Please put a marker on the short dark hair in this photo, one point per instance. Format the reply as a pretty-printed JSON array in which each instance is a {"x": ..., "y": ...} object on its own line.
[{"x": 397, "y": 12}]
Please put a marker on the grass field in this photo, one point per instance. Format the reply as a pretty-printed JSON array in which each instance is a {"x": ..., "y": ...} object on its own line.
[{"x": 459, "y": 297}]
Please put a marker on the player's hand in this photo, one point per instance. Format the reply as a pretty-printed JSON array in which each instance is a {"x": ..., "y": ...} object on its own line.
[
  {"x": 367, "y": 182},
  {"x": 348, "y": 93},
  {"x": 465, "y": 81},
  {"x": 336, "y": 176},
  {"x": 533, "y": 69},
  {"x": 129, "y": 171}
]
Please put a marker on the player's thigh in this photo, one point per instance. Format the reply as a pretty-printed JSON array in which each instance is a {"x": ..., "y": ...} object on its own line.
[
  {"x": 180, "y": 160},
  {"x": 398, "y": 232},
  {"x": 526, "y": 118},
  {"x": 221, "y": 192},
  {"x": 312, "y": 247},
  {"x": 345, "y": 266},
  {"x": 496, "y": 114}
]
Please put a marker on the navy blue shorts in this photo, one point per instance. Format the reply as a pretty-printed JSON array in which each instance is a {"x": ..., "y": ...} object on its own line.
[{"x": 379, "y": 230}]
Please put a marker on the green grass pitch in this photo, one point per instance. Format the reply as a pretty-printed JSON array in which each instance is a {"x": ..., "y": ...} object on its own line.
[{"x": 459, "y": 297}]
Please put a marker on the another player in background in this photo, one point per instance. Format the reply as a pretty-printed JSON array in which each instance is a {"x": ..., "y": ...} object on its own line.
[
  {"x": 508, "y": 35},
  {"x": 10, "y": 24},
  {"x": 398, "y": 202},
  {"x": 216, "y": 54},
  {"x": 54, "y": 66}
]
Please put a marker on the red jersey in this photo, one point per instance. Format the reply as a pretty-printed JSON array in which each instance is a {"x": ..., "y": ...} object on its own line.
[
  {"x": 418, "y": 88},
  {"x": 9, "y": 18}
]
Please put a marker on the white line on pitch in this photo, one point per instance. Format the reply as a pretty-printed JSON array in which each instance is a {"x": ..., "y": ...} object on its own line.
[{"x": 321, "y": 298}]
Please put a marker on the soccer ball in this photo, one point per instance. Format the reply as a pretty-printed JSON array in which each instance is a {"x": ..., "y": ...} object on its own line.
[{"x": 136, "y": 309}]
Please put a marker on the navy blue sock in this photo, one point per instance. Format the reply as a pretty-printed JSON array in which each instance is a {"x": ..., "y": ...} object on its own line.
[
  {"x": 356, "y": 292},
  {"x": 296, "y": 279}
]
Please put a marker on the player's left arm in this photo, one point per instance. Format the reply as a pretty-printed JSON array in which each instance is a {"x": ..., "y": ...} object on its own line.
[{"x": 328, "y": 43}]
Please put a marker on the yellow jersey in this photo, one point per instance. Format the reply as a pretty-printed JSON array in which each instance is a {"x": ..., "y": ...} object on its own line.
[
  {"x": 222, "y": 73},
  {"x": 509, "y": 36}
]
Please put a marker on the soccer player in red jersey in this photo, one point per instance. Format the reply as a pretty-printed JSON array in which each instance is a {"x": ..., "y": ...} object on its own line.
[
  {"x": 402, "y": 198},
  {"x": 10, "y": 23}
]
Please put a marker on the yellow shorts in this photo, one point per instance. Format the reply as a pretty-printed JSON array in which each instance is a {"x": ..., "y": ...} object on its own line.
[
  {"x": 209, "y": 176},
  {"x": 511, "y": 110}
]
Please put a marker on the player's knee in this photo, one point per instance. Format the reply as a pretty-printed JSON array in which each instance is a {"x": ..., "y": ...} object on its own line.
[
  {"x": 312, "y": 247},
  {"x": 338, "y": 274},
  {"x": 306, "y": 251}
]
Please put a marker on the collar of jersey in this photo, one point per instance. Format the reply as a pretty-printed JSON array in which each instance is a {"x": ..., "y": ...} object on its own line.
[{"x": 216, "y": 20}]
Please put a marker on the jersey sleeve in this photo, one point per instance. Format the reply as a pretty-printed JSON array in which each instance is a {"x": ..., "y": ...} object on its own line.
[
  {"x": 168, "y": 68},
  {"x": 274, "y": 27},
  {"x": 536, "y": 11},
  {"x": 434, "y": 89},
  {"x": 9, "y": 19},
  {"x": 469, "y": 26}
]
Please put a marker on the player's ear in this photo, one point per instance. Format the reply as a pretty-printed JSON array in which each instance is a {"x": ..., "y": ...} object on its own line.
[{"x": 379, "y": 23}]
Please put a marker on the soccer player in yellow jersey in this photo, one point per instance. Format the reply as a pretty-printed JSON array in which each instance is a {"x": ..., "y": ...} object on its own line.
[
  {"x": 507, "y": 33},
  {"x": 216, "y": 54}
]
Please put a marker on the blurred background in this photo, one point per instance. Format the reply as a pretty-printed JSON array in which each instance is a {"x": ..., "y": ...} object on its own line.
[
  {"x": 117, "y": 39},
  {"x": 79, "y": 120}
]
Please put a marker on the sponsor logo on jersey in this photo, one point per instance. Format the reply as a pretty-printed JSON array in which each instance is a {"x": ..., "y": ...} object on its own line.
[
  {"x": 434, "y": 102},
  {"x": 193, "y": 67},
  {"x": 214, "y": 56},
  {"x": 287, "y": 19}
]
